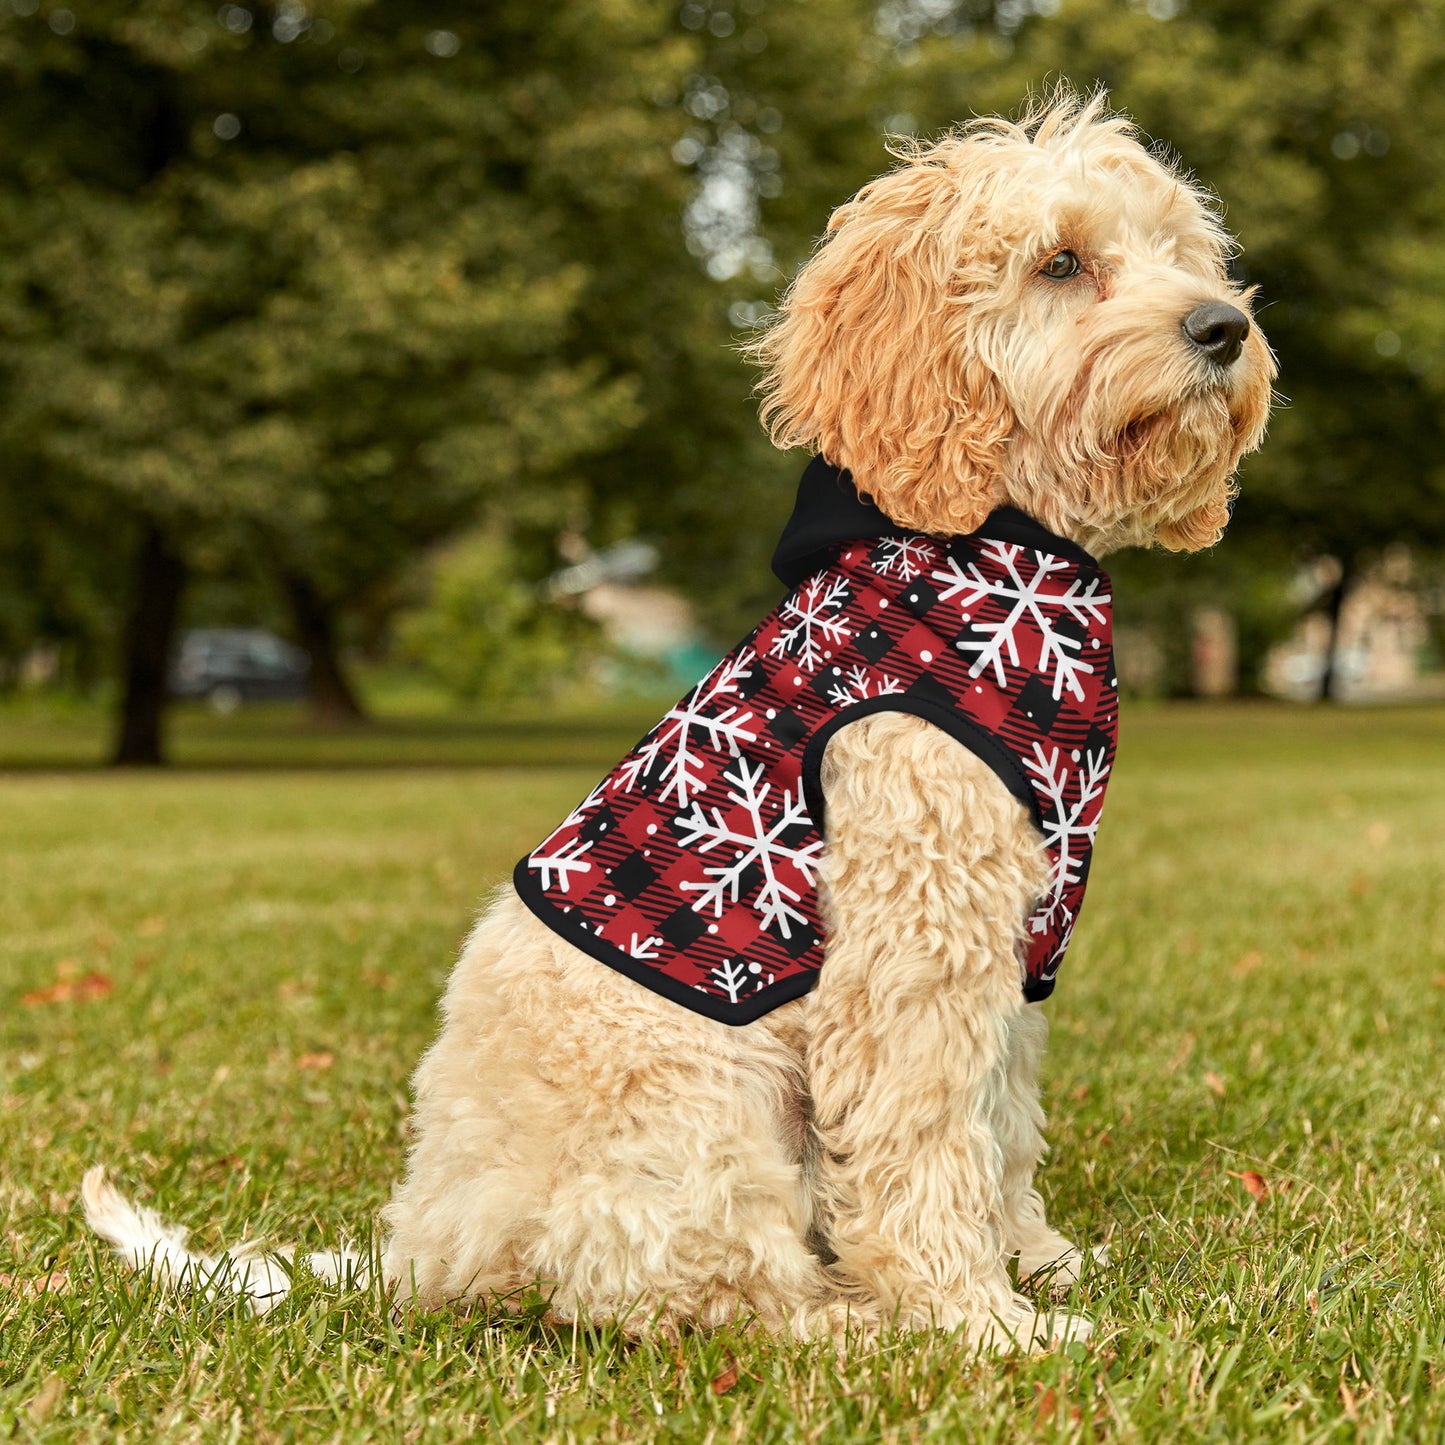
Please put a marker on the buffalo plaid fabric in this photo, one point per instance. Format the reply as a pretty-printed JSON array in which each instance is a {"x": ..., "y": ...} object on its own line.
[{"x": 692, "y": 867}]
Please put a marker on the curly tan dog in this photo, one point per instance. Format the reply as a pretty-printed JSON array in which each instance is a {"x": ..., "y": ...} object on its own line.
[{"x": 1032, "y": 316}]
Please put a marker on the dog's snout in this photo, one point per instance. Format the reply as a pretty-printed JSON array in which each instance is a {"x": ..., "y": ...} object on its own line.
[{"x": 1218, "y": 330}]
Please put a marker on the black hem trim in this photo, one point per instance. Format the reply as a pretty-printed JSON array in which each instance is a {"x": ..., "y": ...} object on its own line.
[
  {"x": 1036, "y": 990},
  {"x": 708, "y": 1005},
  {"x": 977, "y": 739}
]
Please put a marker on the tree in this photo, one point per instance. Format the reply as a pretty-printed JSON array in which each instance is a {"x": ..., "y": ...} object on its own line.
[{"x": 288, "y": 283}]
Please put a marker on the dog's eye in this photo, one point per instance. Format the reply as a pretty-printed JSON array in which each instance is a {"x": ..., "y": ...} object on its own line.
[{"x": 1060, "y": 266}]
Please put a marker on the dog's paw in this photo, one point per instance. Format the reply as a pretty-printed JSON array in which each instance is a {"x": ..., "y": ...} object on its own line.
[
  {"x": 1023, "y": 1326},
  {"x": 1058, "y": 1270}
]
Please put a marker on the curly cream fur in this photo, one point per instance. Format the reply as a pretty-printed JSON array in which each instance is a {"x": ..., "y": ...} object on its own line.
[{"x": 864, "y": 1155}]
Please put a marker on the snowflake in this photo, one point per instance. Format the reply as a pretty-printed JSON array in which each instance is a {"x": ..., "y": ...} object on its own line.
[
  {"x": 578, "y": 815},
  {"x": 906, "y": 555},
  {"x": 733, "y": 978},
  {"x": 645, "y": 948},
  {"x": 672, "y": 747},
  {"x": 564, "y": 862},
  {"x": 1067, "y": 837},
  {"x": 754, "y": 840},
  {"x": 1027, "y": 598},
  {"x": 815, "y": 609},
  {"x": 860, "y": 685}
]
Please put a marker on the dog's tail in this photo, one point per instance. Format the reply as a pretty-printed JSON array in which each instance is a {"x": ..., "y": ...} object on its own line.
[{"x": 147, "y": 1243}]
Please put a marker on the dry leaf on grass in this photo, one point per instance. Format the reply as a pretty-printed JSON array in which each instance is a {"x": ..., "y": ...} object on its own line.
[
  {"x": 71, "y": 990},
  {"x": 1046, "y": 1407},
  {"x": 322, "y": 1059},
  {"x": 1247, "y": 963},
  {"x": 1255, "y": 1184},
  {"x": 723, "y": 1382},
  {"x": 56, "y": 1282},
  {"x": 151, "y": 927},
  {"x": 1214, "y": 1083},
  {"x": 1378, "y": 834}
]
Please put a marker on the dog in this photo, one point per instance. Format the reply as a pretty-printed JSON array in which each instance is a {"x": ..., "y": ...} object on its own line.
[{"x": 1025, "y": 320}]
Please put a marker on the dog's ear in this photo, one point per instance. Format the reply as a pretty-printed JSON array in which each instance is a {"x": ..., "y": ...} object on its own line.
[{"x": 872, "y": 360}]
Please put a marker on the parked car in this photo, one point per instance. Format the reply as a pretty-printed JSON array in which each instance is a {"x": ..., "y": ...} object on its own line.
[{"x": 230, "y": 665}]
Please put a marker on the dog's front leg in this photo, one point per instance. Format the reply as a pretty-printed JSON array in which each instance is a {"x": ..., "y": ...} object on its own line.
[{"x": 932, "y": 869}]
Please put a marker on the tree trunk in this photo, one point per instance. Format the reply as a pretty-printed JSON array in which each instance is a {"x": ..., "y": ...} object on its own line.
[
  {"x": 333, "y": 699},
  {"x": 1334, "y": 609},
  {"x": 160, "y": 578}
]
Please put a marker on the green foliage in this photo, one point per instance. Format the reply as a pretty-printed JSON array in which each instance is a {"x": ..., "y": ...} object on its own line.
[
  {"x": 488, "y": 635},
  {"x": 1251, "y": 987}
]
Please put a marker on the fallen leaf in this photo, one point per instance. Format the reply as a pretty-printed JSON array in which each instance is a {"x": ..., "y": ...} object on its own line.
[
  {"x": 1247, "y": 963},
  {"x": 1360, "y": 885},
  {"x": 294, "y": 987},
  {"x": 724, "y": 1382},
  {"x": 56, "y": 1282},
  {"x": 1440, "y": 980},
  {"x": 66, "y": 990},
  {"x": 1378, "y": 834},
  {"x": 1080, "y": 1094},
  {"x": 151, "y": 927},
  {"x": 1046, "y": 1408},
  {"x": 1214, "y": 1083},
  {"x": 377, "y": 978},
  {"x": 67, "y": 968},
  {"x": 1255, "y": 1184},
  {"x": 322, "y": 1059}
]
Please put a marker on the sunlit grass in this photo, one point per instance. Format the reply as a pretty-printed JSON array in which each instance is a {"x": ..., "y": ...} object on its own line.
[{"x": 253, "y": 959}]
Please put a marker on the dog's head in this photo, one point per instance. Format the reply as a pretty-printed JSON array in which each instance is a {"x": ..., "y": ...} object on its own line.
[{"x": 1036, "y": 313}]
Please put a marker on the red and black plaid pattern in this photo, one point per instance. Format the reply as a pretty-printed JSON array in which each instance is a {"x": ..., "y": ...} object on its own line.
[{"x": 692, "y": 867}]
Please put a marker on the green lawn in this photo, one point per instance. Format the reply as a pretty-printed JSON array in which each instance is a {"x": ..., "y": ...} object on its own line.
[{"x": 253, "y": 956}]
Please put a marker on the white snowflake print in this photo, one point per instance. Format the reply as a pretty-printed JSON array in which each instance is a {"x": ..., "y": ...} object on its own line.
[
  {"x": 672, "y": 750},
  {"x": 1027, "y": 597},
  {"x": 579, "y": 814},
  {"x": 644, "y": 948},
  {"x": 1066, "y": 836},
  {"x": 818, "y": 622},
  {"x": 860, "y": 685},
  {"x": 903, "y": 557},
  {"x": 757, "y": 840},
  {"x": 736, "y": 979},
  {"x": 566, "y": 861}
]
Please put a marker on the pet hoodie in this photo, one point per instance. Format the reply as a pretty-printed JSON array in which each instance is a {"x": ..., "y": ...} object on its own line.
[{"x": 692, "y": 867}]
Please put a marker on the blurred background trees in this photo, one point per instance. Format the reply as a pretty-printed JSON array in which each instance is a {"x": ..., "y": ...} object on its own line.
[{"x": 293, "y": 295}]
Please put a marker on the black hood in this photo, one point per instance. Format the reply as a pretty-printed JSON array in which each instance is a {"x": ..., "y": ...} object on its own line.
[{"x": 830, "y": 511}]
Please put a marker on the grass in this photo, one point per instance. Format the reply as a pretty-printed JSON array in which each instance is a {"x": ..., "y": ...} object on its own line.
[{"x": 231, "y": 972}]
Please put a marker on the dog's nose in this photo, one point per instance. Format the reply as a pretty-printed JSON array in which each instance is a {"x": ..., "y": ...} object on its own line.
[{"x": 1218, "y": 330}]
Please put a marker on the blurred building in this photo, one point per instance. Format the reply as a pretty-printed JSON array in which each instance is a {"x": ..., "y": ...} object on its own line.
[{"x": 1382, "y": 652}]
